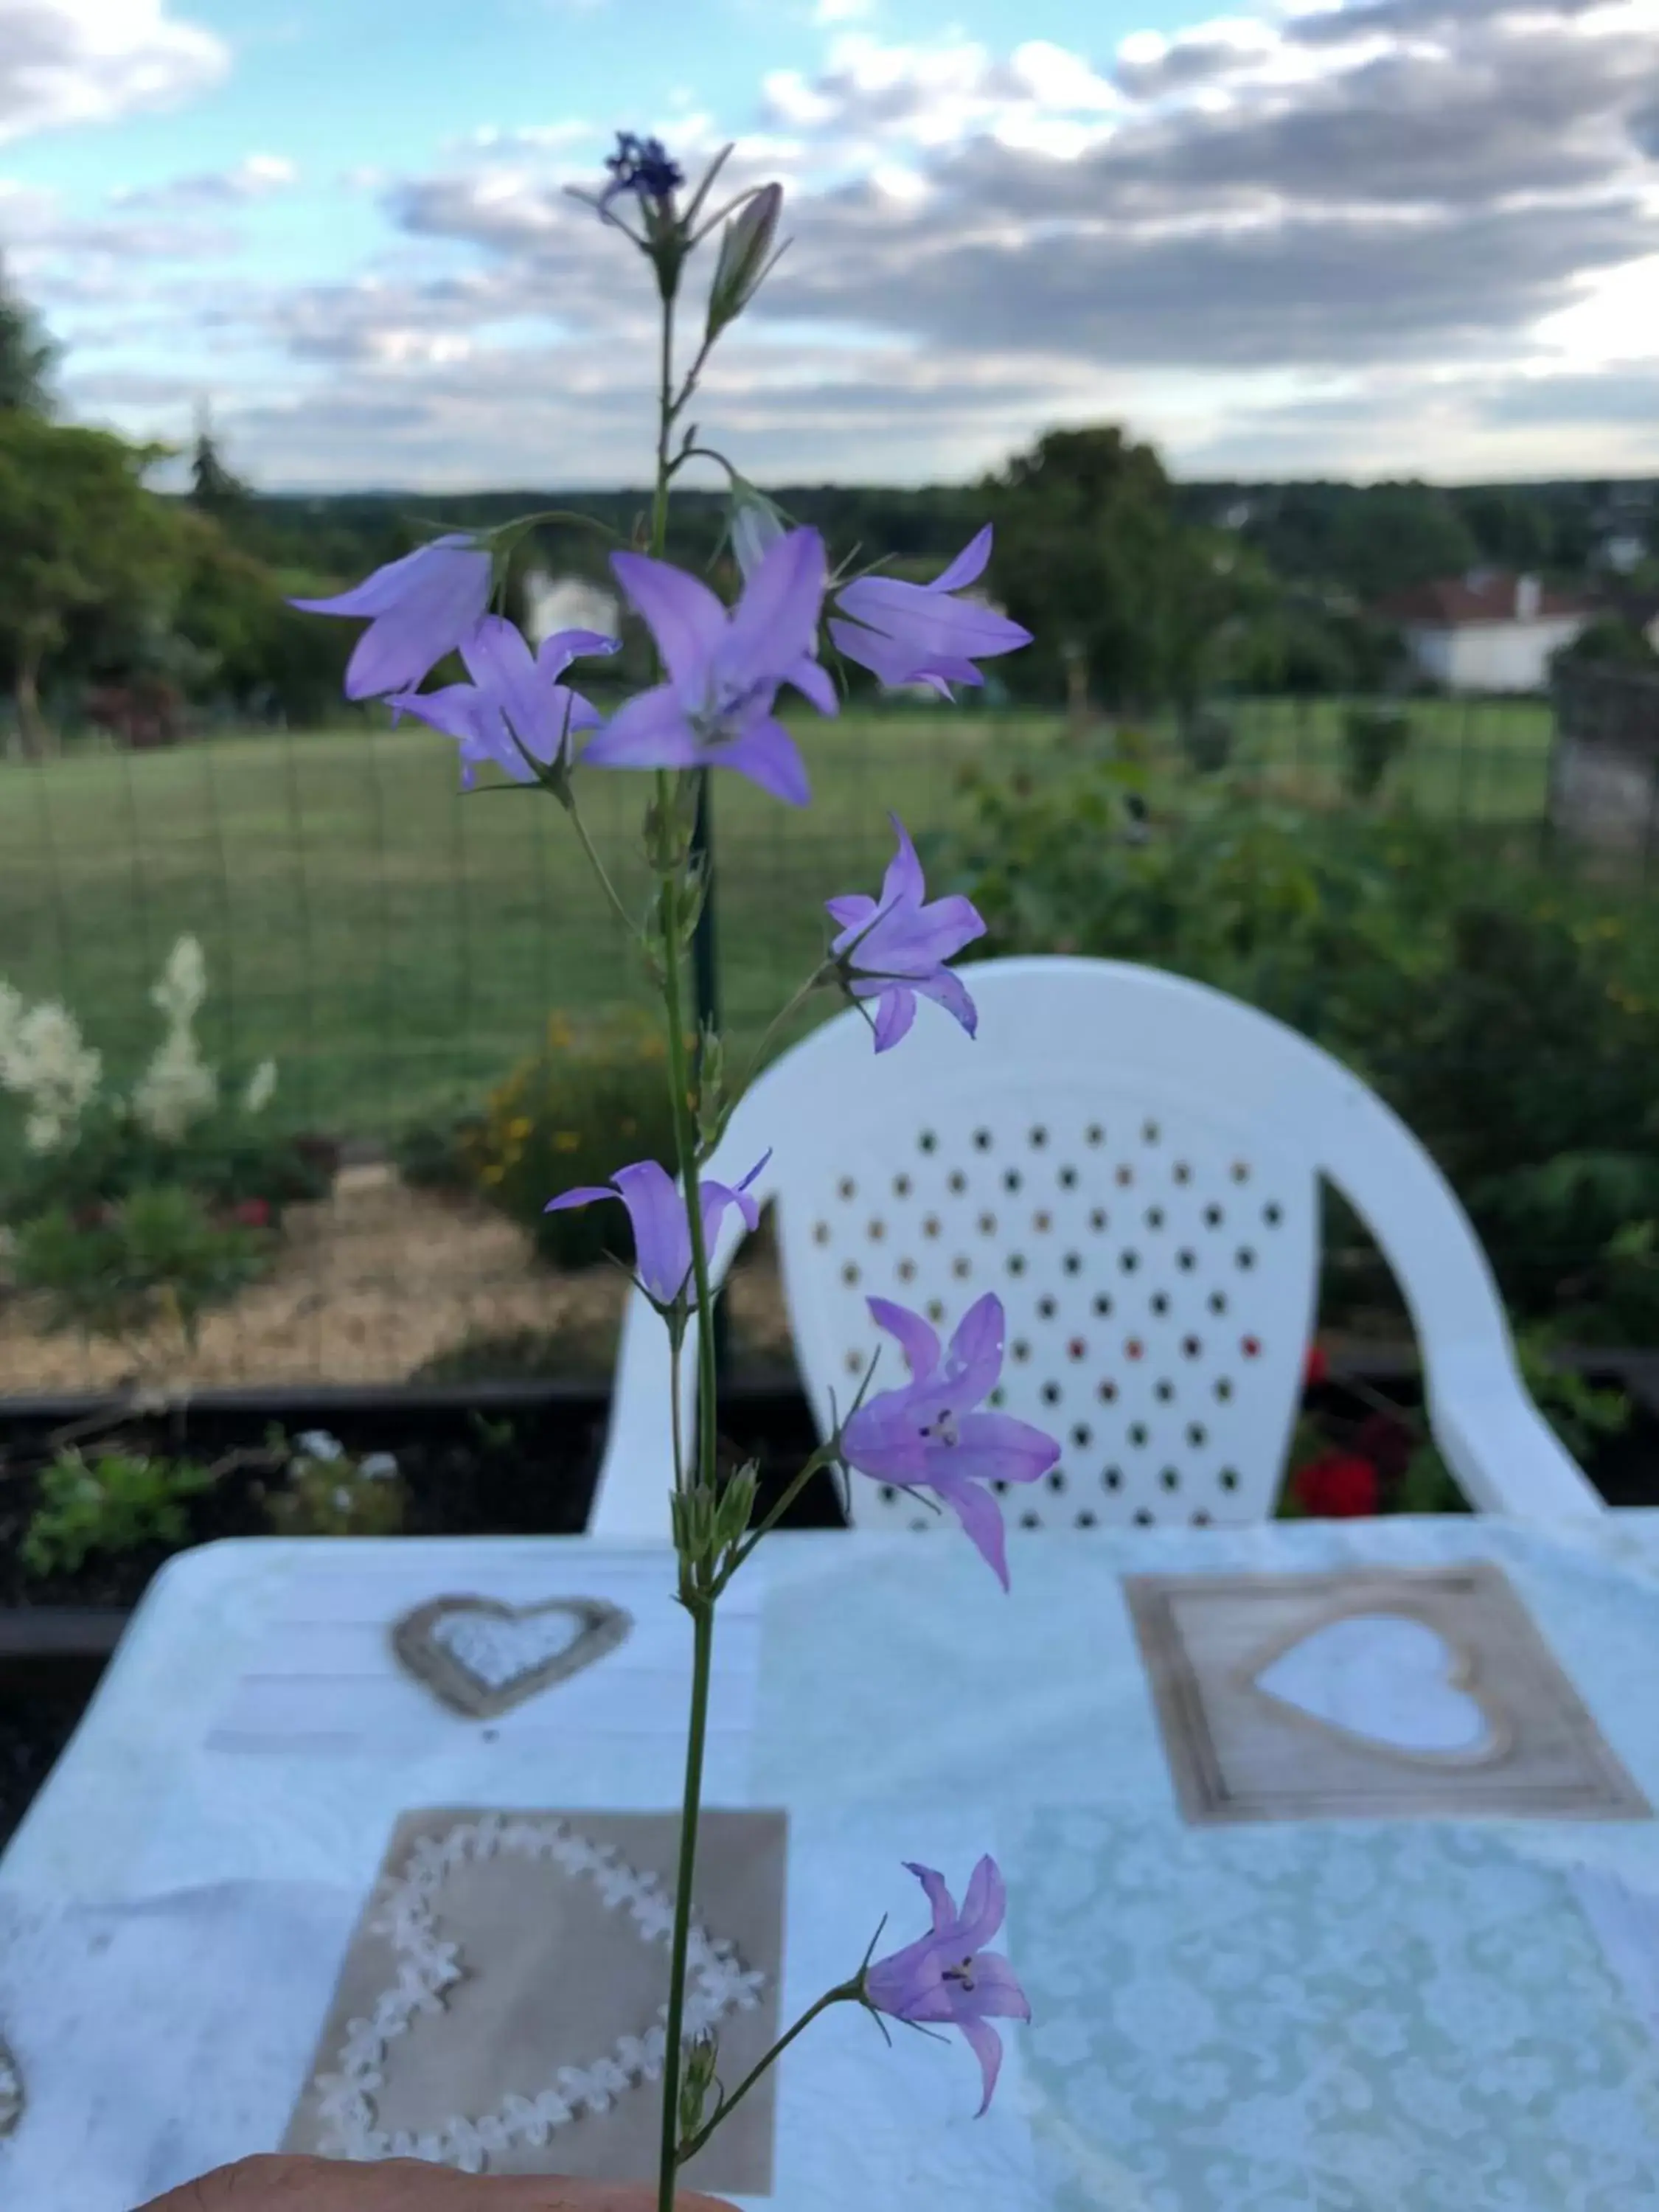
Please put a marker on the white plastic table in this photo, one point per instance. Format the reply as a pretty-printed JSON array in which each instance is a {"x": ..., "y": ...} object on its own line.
[{"x": 1407, "y": 2016}]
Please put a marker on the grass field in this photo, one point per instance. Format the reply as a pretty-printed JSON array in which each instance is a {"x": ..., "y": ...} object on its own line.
[
  {"x": 1477, "y": 760},
  {"x": 396, "y": 947}
]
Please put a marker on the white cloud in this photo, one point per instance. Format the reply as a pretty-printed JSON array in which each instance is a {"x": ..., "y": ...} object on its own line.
[
  {"x": 88, "y": 61},
  {"x": 534, "y": 137},
  {"x": 1389, "y": 235},
  {"x": 254, "y": 177}
]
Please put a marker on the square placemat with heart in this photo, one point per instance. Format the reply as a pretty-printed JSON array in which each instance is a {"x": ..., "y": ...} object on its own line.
[
  {"x": 1368, "y": 1694},
  {"x": 501, "y": 2004}
]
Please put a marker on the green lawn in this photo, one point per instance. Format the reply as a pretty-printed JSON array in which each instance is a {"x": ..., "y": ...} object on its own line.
[
  {"x": 1481, "y": 759},
  {"x": 396, "y": 946},
  {"x": 393, "y": 944}
]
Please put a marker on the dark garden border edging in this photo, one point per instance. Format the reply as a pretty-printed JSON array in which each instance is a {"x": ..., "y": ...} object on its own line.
[
  {"x": 542, "y": 1484},
  {"x": 59, "y": 1645}
]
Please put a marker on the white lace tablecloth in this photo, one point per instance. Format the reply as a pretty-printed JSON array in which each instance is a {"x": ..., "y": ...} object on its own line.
[{"x": 1319, "y": 2017}]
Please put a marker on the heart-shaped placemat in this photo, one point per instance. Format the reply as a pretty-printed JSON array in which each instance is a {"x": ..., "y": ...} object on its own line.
[
  {"x": 1390, "y": 1682},
  {"x": 502, "y": 2005},
  {"x": 1369, "y": 1693},
  {"x": 482, "y": 1657},
  {"x": 11, "y": 2090}
]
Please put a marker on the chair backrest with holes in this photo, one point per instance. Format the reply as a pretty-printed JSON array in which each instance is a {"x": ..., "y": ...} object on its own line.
[{"x": 1131, "y": 1162}]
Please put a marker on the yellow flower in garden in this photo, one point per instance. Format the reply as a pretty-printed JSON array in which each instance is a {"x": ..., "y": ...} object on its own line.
[
  {"x": 519, "y": 1128},
  {"x": 493, "y": 1173},
  {"x": 566, "y": 1140}
]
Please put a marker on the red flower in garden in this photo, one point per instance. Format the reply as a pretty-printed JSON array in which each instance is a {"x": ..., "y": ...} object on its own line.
[
  {"x": 1317, "y": 1368},
  {"x": 1338, "y": 1486},
  {"x": 252, "y": 1213}
]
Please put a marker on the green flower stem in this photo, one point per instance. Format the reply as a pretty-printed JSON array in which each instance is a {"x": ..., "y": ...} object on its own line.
[
  {"x": 823, "y": 1456},
  {"x": 703, "y": 1627},
  {"x": 697, "y": 1597},
  {"x": 599, "y": 868},
  {"x": 844, "y": 1993},
  {"x": 664, "y": 425},
  {"x": 690, "y": 451},
  {"x": 685, "y": 1143},
  {"x": 675, "y": 1347}
]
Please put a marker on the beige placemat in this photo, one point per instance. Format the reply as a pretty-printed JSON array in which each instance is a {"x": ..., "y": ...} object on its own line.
[
  {"x": 500, "y": 2007},
  {"x": 1241, "y": 1748}
]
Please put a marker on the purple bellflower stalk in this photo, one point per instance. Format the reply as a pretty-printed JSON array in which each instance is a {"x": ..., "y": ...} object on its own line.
[
  {"x": 420, "y": 608},
  {"x": 662, "y": 1236},
  {"x": 514, "y": 713},
  {"x": 929, "y": 1435},
  {"x": 919, "y": 632},
  {"x": 725, "y": 669},
  {"x": 947, "y": 1977},
  {"x": 892, "y": 947},
  {"x": 714, "y": 706}
]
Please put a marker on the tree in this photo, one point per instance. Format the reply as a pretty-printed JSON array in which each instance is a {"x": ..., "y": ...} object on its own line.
[
  {"x": 81, "y": 538},
  {"x": 1511, "y": 528},
  {"x": 1394, "y": 536},
  {"x": 251, "y": 649},
  {"x": 27, "y": 356},
  {"x": 1091, "y": 557},
  {"x": 212, "y": 486},
  {"x": 1609, "y": 642}
]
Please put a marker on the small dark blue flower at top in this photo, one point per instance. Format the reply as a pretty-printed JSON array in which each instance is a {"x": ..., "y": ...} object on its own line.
[{"x": 642, "y": 165}]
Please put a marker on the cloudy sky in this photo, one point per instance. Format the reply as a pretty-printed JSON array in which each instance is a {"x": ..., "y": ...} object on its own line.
[{"x": 1356, "y": 237}]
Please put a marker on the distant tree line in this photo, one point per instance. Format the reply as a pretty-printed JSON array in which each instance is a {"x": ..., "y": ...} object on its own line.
[{"x": 1140, "y": 592}]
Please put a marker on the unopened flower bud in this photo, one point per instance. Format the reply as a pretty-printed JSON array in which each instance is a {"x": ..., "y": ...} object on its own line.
[
  {"x": 756, "y": 526},
  {"x": 745, "y": 257},
  {"x": 701, "y": 2057}
]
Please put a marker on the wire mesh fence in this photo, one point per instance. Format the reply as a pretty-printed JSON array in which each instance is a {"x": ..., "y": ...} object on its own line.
[{"x": 398, "y": 949}]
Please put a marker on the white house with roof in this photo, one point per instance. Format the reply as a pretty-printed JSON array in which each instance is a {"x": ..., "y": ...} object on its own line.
[{"x": 1487, "y": 631}]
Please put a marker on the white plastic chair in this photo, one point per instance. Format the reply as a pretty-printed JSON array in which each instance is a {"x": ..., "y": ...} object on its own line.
[{"x": 1132, "y": 1162}]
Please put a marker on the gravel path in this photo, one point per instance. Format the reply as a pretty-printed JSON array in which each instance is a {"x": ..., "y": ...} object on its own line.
[{"x": 369, "y": 1285}]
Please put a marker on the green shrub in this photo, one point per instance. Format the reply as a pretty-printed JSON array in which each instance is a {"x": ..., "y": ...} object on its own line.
[
  {"x": 1208, "y": 738},
  {"x": 432, "y": 1155},
  {"x": 1514, "y": 1028},
  {"x": 229, "y": 1160},
  {"x": 1373, "y": 740},
  {"x": 111, "y": 1504},
  {"x": 158, "y": 1256},
  {"x": 595, "y": 1100}
]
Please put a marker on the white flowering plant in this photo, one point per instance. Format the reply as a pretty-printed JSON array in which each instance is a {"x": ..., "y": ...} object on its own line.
[
  {"x": 322, "y": 1489},
  {"x": 79, "y": 1143}
]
